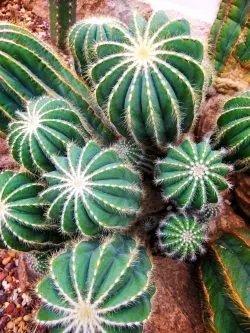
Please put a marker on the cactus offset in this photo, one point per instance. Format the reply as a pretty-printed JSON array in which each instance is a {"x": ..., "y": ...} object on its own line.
[
  {"x": 92, "y": 189},
  {"x": 182, "y": 237},
  {"x": 145, "y": 73},
  {"x": 62, "y": 17},
  {"x": 234, "y": 130},
  {"x": 43, "y": 130},
  {"x": 97, "y": 287},
  {"x": 193, "y": 175},
  {"x": 22, "y": 224},
  {"x": 29, "y": 68}
]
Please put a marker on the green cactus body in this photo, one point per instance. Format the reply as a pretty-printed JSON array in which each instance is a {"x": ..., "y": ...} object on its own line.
[
  {"x": 192, "y": 174},
  {"x": 145, "y": 73},
  {"x": 182, "y": 237},
  {"x": 62, "y": 17},
  {"x": 225, "y": 277},
  {"x": 226, "y": 30},
  {"x": 98, "y": 287},
  {"x": 234, "y": 130},
  {"x": 83, "y": 37},
  {"x": 242, "y": 51},
  {"x": 92, "y": 189},
  {"x": 29, "y": 68},
  {"x": 22, "y": 224},
  {"x": 43, "y": 130}
]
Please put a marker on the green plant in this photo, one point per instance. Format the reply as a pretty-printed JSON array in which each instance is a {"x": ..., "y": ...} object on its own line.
[
  {"x": 242, "y": 53},
  {"x": 234, "y": 130},
  {"x": 43, "y": 130},
  {"x": 181, "y": 236},
  {"x": 62, "y": 17},
  {"x": 144, "y": 74},
  {"x": 29, "y": 68},
  {"x": 22, "y": 224},
  {"x": 225, "y": 280},
  {"x": 98, "y": 287},
  {"x": 91, "y": 190},
  {"x": 193, "y": 175}
]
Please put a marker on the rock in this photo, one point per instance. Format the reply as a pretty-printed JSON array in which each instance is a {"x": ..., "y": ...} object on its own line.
[{"x": 176, "y": 306}]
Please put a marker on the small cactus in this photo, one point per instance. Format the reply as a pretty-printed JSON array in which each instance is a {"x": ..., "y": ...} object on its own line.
[
  {"x": 44, "y": 129},
  {"x": 62, "y": 17},
  {"x": 92, "y": 189},
  {"x": 97, "y": 287},
  {"x": 182, "y": 237},
  {"x": 22, "y": 224},
  {"x": 234, "y": 130},
  {"x": 193, "y": 175},
  {"x": 145, "y": 73}
]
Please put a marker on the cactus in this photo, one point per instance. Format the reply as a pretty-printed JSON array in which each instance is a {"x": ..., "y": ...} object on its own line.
[
  {"x": 227, "y": 29},
  {"x": 29, "y": 68},
  {"x": 43, "y": 130},
  {"x": 182, "y": 237},
  {"x": 62, "y": 17},
  {"x": 234, "y": 130},
  {"x": 242, "y": 51},
  {"x": 97, "y": 287},
  {"x": 193, "y": 175},
  {"x": 92, "y": 189},
  {"x": 225, "y": 280},
  {"x": 38, "y": 262},
  {"x": 144, "y": 74},
  {"x": 22, "y": 225},
  {"x": 82, "y": 39}
]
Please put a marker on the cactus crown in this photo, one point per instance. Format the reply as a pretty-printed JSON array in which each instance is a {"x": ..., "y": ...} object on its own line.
[
  {"x": 193, "y": 174},
  {"x": 145, "y": 72},
  {"x": 92, "y": 189},
  {"x": 44, "y": 129},
  {"x": 98, "y": 287}
]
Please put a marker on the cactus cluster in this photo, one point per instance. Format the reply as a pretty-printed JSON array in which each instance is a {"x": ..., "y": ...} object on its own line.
[{"x": 97, "y": 287}]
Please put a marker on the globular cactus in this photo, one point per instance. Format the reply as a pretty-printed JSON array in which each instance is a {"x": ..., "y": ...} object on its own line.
[
  {"x": 227, "y": 29},
  {"x": 144, "y": 75},
  {"x": 225, "y": 277},
  {"x": 82, "y": 39},
  {"x": 22, "y": 223},
  {"x": 98, "y": 287},
  {"x": 234, "y": 130},
  {"x": 62, "y": 17},
  {"x": 43, "y": 130},
  {"x": 193, "y": 175},
  {"x": 92, "y": 189},
  {"x": 38, "y": 262},
  {"x": 181, "y": 236},
  {"x": 29, "y": 68}
]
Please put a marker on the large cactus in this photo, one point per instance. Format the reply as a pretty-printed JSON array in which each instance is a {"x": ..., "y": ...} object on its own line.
[
  {"x": 242, "y": 51},
  {"x": 234, "y": 130},
  {"x": 92, "y": 189},
  {"x": 144, "y": 75},
  {"x": 226, "y": 30},
  {"x": 43, "y": 130},
  {"x": 193, "y": 174},
  {"x": 29, "y": 68},
  {"x": 97, "y": 287},
  {"x": 225, "y": 275},
  {"x": 22, "y": 224},
  {"x": 62, "y": 17}
]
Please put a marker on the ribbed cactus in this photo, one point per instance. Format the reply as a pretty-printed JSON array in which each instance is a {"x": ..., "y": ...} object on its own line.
[
  {"x": 83, "y": 37},
  {"x": 62, "y": 17},
  {"x": 29, "y": 68},
  {"x": 22, "y": 224},
  {"x": 98, "y": 287},
  {"x": 193, "y": 175},
  {"x": 242, "y": 51},
  {"x": 182, "y": 237},
  {"x": 144, "y": 75},
  {"x": 225, "y": 276},
  {"x": 226, "y": 30},
  {"x": 92, "y": 189},
  {"x": 43, "y": 130},
  {"x": 234, "y": 130}
]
